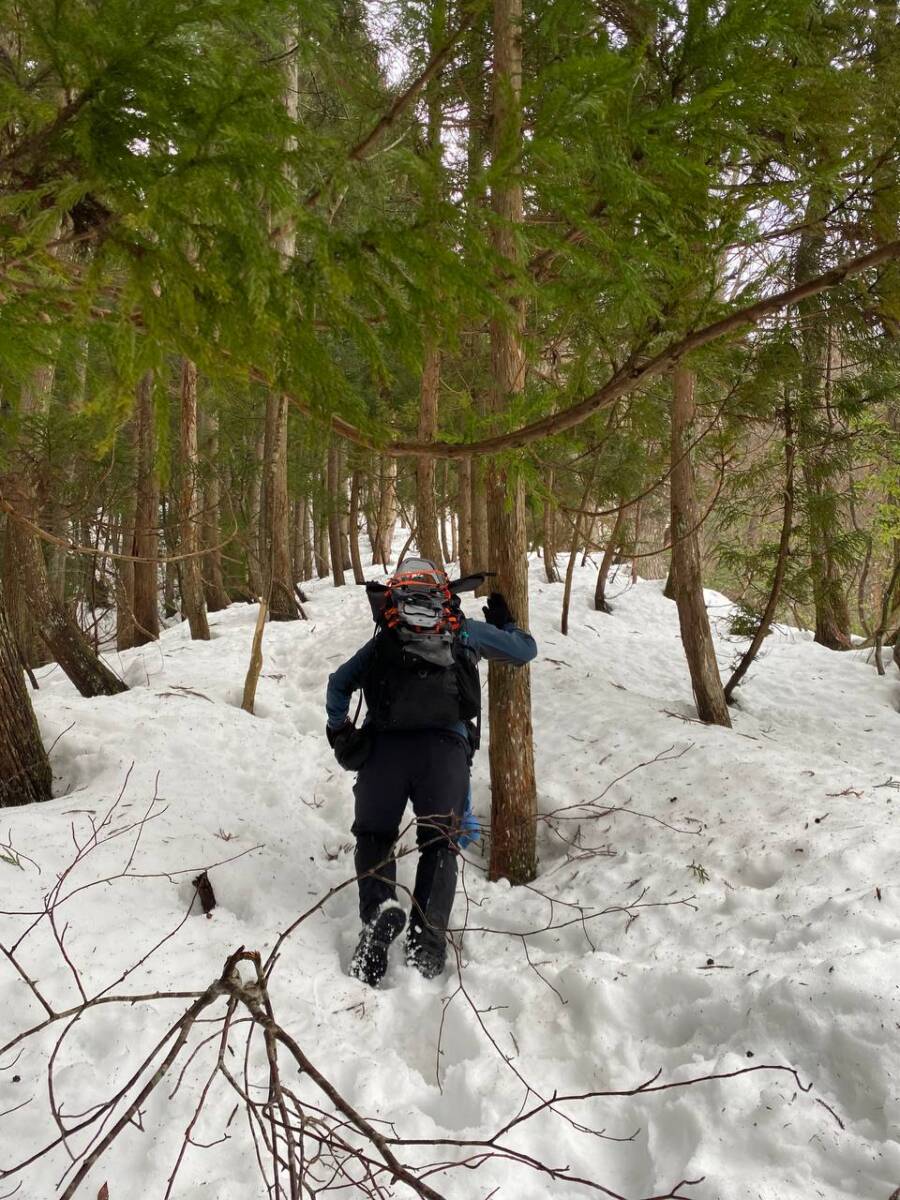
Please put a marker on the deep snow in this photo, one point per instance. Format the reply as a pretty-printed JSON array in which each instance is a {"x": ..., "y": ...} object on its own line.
[{"x": 750, "y": 877}]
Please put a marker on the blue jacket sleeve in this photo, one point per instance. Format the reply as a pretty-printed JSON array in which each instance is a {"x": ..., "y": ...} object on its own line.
[
  {"x": 343, "y": 682},
  {"x": 508, "y": 645}
]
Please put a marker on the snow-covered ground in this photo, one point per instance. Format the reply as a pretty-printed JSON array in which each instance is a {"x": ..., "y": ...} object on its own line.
[{"x": 731, "y": 900}]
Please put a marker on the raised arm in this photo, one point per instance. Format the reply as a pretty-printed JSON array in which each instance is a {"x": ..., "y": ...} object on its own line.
[{"x": 499, "y": 638}]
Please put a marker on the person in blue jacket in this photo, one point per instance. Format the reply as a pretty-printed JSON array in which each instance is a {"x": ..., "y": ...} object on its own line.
[{"x": 419, "y": 676}]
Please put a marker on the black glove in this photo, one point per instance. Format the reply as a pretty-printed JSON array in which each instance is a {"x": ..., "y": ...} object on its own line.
[
  {"x": 351, "y": 746},
  {"x": 496, "y": 611},
  {"x": 336, "y": 735}
]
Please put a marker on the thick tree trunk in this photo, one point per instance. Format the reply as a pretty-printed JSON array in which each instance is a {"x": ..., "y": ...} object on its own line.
[
  {"x": 192, "y": 597},
  {"x": 25, "y": 774},
  {"x": 513, "y": 788},
  {"x": 146, "y": 520},
  {"x": 214, "y": 589},
  {"x": 696, "y": 636},
  {"x": 464, "y": 516},
  {"x": 335, "y": 547}
]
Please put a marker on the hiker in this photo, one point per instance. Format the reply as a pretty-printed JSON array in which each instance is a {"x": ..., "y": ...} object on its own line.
[{"x": 419, "y": 676}]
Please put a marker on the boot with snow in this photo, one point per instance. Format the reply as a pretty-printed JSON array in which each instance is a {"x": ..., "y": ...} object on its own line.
[
  {"x": 370, "y": 958},
  {"x": 424, "y": 952}
]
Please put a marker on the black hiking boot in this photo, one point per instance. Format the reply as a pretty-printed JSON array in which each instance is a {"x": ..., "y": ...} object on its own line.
[
  {"x": 424, "y": 952},
  {"x": 370, "y": 958}
]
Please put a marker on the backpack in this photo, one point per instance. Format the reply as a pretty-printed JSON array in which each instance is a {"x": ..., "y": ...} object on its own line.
[{"x": 422, "y": 678}]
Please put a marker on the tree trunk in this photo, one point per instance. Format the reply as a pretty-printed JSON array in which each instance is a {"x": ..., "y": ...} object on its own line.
[
  {"x": 480, "y": 556},
  {"x": 600, "y": 601},
  {"x": 214, "y": 589},
  {"x": 25, "y": 774},
  {"x": 146, "y": 520},
  {"x": 64, "y": 640},
  {"x": 446, "y": 548},
  {"x": 427, "y": 538},
  {"x": 784, "y": 544},
  {"x": 192, "y": 597},
  {"x": 513, "y": 788},
  {"x": 353, "y": 527},
  {"x": 685, "y": 574},
  {"x": 255, "y": 518},
  {"x": 548, "y": 526},
  {"x": 387, "y": 512},
  {"x": 464, "y": 516},
  {"x": 815, "y": 446},
  {"x": 335, "y": 548},
  {"x": 275, "y": 540}
]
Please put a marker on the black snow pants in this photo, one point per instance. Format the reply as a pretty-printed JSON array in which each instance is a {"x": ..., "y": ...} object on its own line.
[{"x": 431, "y": 768}]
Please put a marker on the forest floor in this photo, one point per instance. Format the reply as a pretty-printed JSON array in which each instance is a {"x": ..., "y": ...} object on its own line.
[{"x": 730, "y": 900}]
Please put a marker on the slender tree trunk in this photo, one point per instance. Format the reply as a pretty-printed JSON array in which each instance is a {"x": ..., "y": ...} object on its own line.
[
  {"x": 214, "y": 589},
  {"x": 427, "y": 537},
  {"x": 513, "y": 787},
  {"x": 696, "y": 636},
  {"x": 306, "y": 542},
  {"x": 25, "y": 774},
  {"x": 192, "y": 597},
  {"x": 464, "y": 516},
  {"x": 334, "y": 515},
  {"x": 480, "y": 556},
  {"x": 278, "y": 582},
  {"x": 64, "y": 640},
  {"x": 815, "y": 443},
  {"x": 124, "y": 574},
  {"x": 784, "y": 545},
  {"x": 353, "y": 526},
  {"x": 548, "y": 528},
  {"x": 146, "y": 522},
  {"x": 254, "y": 516},
  {"x": 446, "y": 548},
  {"x": 600, "y": 602}
]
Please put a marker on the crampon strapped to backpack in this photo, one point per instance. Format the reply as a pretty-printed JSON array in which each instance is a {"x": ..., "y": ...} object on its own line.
[{"x": 423, "y": 674}]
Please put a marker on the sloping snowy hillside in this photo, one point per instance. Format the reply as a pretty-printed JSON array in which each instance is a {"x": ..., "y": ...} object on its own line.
[{"x": 709, "y": 901}]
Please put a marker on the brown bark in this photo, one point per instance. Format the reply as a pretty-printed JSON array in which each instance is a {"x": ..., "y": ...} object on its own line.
[
  {"x": 427, "y": 538},
  {"x": 446, "y": 548},
  {"x": 215, "y": 592},
  {"x": 335, "y": 548},
  {"x": 480, "y": 556},
  {"x": 386, "y": 516},
  {"x": 600, "y": 602},
  {"x": 64, "y": 640},
  {"x": 255, "y": 518},
  {"x": 686, "y": 577},
  {"x": 548, "y": 530},
  {"x": 353, "y": 526},
  {"x": 814, "y": 445},
  {"x": 146, "y": 518},
  {"x": 464, "y": 516},
  {"x": 784, "y": 545},
  {"x": 513, "y": 787},
  {"x": 25, "y": 775},
  {"x": 192, "y": 597},
  {"x": 275, "y": 538}
]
